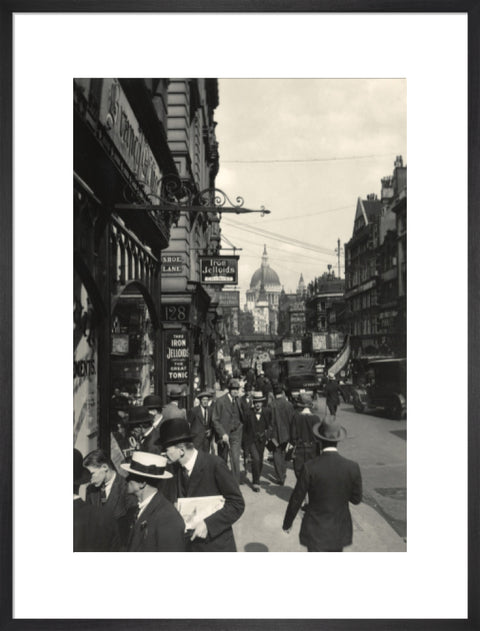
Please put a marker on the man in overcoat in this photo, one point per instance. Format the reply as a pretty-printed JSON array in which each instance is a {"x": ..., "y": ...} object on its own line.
[
  {"x": 282, "y": 420},
  {"x": 173, "y": 409},
  {"x": 158, "y": 526},
  {"x": 108, "y": 491},
  {"x": 332, "y": 394},
  {"x": 200, "y": 419},
  {"x": 306, "y": 445},
  {"x": 227, "y": 421},
  {"x": 331, "y": 482},
  {"x": 199, "y": 474},
  {"x": 256, "y": 431}
]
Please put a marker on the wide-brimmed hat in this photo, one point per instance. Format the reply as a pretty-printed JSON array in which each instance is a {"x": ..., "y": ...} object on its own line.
[
  {"x": 138, "y": 415},
  {"x": 257, "y": 396},
  {"x": 304, "y": 400},
  {"x": 153, "y": 401},
  {"x": 81, "y": 475},
  {"x": 173, "y": 431},
  {"x": 176, "y": 392},
  {"x": 233, "y": 384},
  {"x": 147, "y": 465},
  {"x": 205, "y": 393},
  {"x": 332, "y": 432}
]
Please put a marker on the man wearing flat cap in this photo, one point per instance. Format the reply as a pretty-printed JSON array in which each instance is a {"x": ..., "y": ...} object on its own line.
[
  {"x": 200, "y": 419},
  {"x": 227, "y": 421},
  {"x": 199, "y": 475},
  {"x": 331, "y": 482},
  {"x": 158, "y": 526}
]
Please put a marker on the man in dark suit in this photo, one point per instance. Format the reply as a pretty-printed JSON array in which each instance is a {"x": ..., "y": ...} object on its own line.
[
  {"x": 94, "y": 530},
  {"x": 200, "y": 419},
  {"x": 158, "y": 526},
  {"x": 331, "y": 482},
  {"x": 173, "y": 409},
  {"x": 282, "y": 419},
  {"x": 153, "y": 403},
  {"x": 199, "y": 474},
  {"x": 108, "y": 490},
  {"x": 256, "y": 431},
  {"x": 227, "y": 422}
]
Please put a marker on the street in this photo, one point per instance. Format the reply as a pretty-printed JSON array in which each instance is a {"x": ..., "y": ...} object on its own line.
[{"x": 378, "y": 444}]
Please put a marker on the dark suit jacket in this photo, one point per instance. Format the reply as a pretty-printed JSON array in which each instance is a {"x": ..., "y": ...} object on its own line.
[
  {"x": 254, "y": 428},
  {"x": 94, "y": 530},
  {"x": 225, "y": 416},
  {"x": 120, "y": 505},
  {"x": 160, "y": 528},
  {"x": 282, "y": 419},
  {"x": 331, "y": 482},
  {"x": 211, "y": 476},
  {"x": 199, "y": 427}
]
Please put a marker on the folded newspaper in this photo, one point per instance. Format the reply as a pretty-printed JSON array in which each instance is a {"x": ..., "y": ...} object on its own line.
[{"x": 194, "y": 509}]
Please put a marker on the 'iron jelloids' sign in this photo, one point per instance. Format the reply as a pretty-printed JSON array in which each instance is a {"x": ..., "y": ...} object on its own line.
[{"x": 219, "y": 270}]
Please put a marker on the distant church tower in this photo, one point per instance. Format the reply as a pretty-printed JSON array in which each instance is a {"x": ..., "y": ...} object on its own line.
[{"x": 301, "y": 286}]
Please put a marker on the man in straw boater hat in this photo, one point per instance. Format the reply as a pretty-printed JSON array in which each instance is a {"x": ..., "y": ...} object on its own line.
[
  {"x": 199, "y": 474},
  {"x": 256, "y": 431},
  {"x": 158, "y": 527},
  {"x": 331, "y": 482},
  {"x": 200, "y": 419}
]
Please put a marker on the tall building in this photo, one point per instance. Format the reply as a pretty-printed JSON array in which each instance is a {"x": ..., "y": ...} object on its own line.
[
  {"x": 263, "y": 297},
  {"x": 373, "y": 281}
]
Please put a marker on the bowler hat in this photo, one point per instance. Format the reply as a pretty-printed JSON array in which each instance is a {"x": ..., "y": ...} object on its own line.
[
  {"x": 332, "y": 432},
  {"x": 174, "y": 430},
  {"x": 81, "y": 475},
  {"x": 304, "y": 400},
  {"x": 139, "y": 415},
  {"x": 153, "y": 401},
  {"x": 205, "y": 393},
  {"x": 233, "y": 384},
  {"x": 257, "y": 396},
  {"x": 175, "y": 392},
  {"x": 147, "y": 465}
]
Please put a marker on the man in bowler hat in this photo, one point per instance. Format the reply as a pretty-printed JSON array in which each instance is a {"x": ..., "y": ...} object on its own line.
[
  {"x": 199, "y": 474},
  {"x": 173, "y": 409},
  {"x": 282, "y": 419},
  {"x": 331, "y": 482},
  {"x": 227, "y": 421},
  {"x": 158, "y": 526}
]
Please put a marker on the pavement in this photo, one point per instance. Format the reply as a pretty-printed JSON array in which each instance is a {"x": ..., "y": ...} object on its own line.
[{"x": 260, "y": 527}]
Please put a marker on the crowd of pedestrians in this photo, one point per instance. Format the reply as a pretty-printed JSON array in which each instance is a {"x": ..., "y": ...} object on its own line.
[{"x": 173, "y": 479}]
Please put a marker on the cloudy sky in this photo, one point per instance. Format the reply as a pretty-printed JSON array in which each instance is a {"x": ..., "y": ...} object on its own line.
[{"x": 306, "y": 149}]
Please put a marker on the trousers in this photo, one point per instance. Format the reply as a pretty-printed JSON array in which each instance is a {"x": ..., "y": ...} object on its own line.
[{"x": 235, "y": 438}]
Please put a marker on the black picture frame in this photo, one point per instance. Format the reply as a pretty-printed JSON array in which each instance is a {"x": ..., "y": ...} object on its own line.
[{"x": 8, "y": 9}]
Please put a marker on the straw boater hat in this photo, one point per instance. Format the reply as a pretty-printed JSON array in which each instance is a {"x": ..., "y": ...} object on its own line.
[
  {"x": 332, "y": 432},
  {"x": 153, "y": 401},
  {"x": 139, "y": 415},
  {"x": 147, "y": 465},
  {"x": 173, "y": 431},
  {"x": 257, "y": 396}
]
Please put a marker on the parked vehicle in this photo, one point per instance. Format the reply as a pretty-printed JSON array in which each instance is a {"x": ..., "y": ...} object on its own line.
[
  {"x": 295, "y": 374},
  {"x": 386, "y": 388}
]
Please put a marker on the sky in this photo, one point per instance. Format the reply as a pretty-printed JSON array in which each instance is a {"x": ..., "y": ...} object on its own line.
[{"x": 305, "y": 149}]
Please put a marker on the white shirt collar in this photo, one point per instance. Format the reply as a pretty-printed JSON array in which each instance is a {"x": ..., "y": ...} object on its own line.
[
  {"x": 144, "y": 503},
  {"x": 191, "y": 463},
  {"x": 329, "y": 449},
  {"x": 108, "y": 485}
]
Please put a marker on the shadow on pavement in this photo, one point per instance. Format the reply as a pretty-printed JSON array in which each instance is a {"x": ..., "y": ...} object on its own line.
[{"x": 255, "y": 547}]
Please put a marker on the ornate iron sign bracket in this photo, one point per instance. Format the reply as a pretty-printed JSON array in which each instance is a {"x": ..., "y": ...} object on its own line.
[{"x": 176, "y": 196}]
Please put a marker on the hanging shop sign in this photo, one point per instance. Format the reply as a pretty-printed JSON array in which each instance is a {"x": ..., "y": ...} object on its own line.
[
  {"x": 219, "y": 270},
  {"x": 177, "y": 356},
  {"x": 229, "y": 299},
  {"x": 123, "y": 128},
  {"x": 173, "y": 264}
]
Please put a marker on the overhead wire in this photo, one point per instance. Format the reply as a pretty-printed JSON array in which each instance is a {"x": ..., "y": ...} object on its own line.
[{"x": 306, "y": 160}]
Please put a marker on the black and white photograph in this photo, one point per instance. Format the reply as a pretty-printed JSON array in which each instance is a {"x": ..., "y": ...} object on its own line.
[
  {"x": 247, "y": 351},
  {"x": 259, "y": 353}
]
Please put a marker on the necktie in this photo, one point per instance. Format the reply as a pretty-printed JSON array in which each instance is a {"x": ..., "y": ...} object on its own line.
[
  {"x": 103, "y": 494},
  {"x": 185, "y": 479}
]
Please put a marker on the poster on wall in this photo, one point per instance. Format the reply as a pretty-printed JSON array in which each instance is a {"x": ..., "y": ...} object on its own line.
[{"x": 177, "y": 356}]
